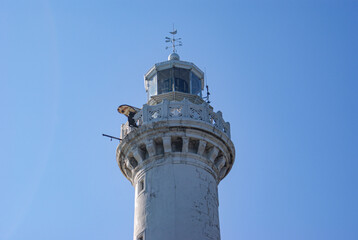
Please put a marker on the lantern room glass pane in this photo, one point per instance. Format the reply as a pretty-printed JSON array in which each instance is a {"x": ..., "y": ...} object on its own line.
[
  {"x": 181, "y": 80},
  {"x": 181, "y": 85},
  {"x": 175, "y": 79},
  {"x": 165, "y": 83},
  {"x": 195, "y": 85},
  {"x": 152, "y": 86}
]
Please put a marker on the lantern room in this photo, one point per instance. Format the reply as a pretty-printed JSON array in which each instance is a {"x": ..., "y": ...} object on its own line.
[{"x": 174, "y": 79}]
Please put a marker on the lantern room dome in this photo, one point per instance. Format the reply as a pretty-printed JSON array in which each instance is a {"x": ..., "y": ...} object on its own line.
[{"x": 173, "y": 56}]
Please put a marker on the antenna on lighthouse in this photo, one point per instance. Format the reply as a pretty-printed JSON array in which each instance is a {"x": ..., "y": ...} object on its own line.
[
  {"x": 207, "y": 97},
  {"x": 175, "y": 42}
]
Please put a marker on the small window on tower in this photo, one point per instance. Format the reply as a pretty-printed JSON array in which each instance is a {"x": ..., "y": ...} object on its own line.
[
  {"x": 140, "y": 186},
  {"x": 141, "y": 236}
]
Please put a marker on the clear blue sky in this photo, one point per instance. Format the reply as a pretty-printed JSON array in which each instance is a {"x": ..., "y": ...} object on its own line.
[{"x": 284, "y": 74}]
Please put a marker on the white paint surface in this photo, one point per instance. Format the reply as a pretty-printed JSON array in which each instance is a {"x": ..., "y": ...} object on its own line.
[{"x": 180, "y": 201}]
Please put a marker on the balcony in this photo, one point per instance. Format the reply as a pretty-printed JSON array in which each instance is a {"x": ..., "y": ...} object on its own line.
[{"x": 173, "y": 110}]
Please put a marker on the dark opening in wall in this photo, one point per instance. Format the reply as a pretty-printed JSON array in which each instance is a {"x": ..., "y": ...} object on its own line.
[
  {"x": 140, "y": 186},
  {"x": 141, "y": 236},
  {"x": 230, "y": 160},
  {"x": 218, "y": 158},
  {"x": 208, "y": 149},
  {"x": 193, "y": 145},
  {"x": 177, "y": 144},
  {"x": 133, "y": 162},
  {"x": 223, "y": 171},
  {"x": 143, "y": 151},
  {"x": 128, "y": 172},
  {"x": 158, "y": 143}
]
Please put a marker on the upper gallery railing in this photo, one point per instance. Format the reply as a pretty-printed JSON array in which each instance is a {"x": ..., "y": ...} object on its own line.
[{"x": 172, "y": 110}]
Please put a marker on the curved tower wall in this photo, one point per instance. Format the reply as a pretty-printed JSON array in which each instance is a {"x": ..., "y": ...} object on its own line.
[
  {"x": 173, "y": 205},
  {"x": 175, "y": 160}
]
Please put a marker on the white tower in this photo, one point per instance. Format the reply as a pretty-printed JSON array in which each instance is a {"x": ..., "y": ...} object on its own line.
[{"x": 176, "y": 156}]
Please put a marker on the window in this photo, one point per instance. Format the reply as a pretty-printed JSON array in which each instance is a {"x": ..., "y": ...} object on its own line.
[
  {"x": 173, "y": 79},
  {"x": 165, "y": 83},
  {"x": 181, "y": 82},
  {"x": 152, "y": 86},
  {"x": 181, "y": 85},
  {"x": 177, "y": 144},
  {"x": 141, "y": 236},
  {"x": 195, "y": 85},
  {"x": 140, "y": 186}
]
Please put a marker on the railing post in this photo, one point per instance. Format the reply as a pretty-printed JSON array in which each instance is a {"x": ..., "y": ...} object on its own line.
[
  {"x": 220, "y": 120},
  {"x": 204, "y": 106},
  {"x": 145, "y": 113},
  {"x": 228, "y": 129},
  {"x": 165, "y": 108},
  {"x": 185, "y": 107}
]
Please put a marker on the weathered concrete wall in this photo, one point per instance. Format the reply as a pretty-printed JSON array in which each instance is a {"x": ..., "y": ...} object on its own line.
[{"x": 179, "y": 201}]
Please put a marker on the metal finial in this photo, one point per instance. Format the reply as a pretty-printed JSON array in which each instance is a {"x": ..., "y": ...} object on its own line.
[{"x": 175, "y": 42}]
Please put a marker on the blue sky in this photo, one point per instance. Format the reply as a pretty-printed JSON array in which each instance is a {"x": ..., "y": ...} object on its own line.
[{"x": 284, "y": 74}]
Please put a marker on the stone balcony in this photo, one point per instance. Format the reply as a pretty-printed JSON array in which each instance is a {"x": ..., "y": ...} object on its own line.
[{"x": 178, "y": 110}]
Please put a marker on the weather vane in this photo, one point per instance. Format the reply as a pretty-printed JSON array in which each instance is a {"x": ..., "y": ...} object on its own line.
[{"x": 175, "y": 42}]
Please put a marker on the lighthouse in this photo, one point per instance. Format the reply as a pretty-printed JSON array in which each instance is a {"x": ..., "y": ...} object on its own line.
[{"x": 175, "y": 150}]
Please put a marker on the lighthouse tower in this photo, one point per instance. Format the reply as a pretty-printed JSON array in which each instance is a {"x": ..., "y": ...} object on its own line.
[{"x": 175, "y": 150}]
